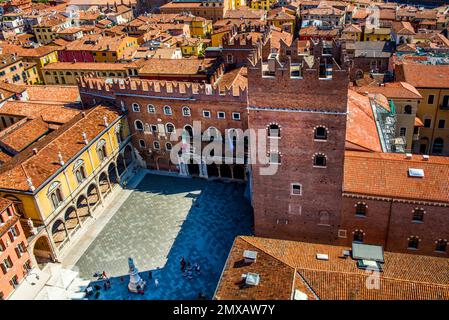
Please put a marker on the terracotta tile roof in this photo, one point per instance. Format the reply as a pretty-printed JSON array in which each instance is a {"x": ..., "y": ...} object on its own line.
[
  {"x": 11, "y": 87},
  {"x": 85, "y": 66},
  {"x": 386, "y": 175},
  {"x": 437, "y": 76},
  {"x": 4, "y": 157},
  {"x": 235, "y": 78},
  {"x": 29, "y": 52},
  {"x": 25, "y": 135},
  {"x": 176, "y": 66},
  {"x": 96, "y": 42},
  {"x": 361, "y": 130},
  {"x": 8, "y": 224},
  {"x": 53, "y": 93},
  {"x": 277, "y": 278},
  {"x": 50, "y": 112},
  {"x": 67, "y": 140},
  {"x": 279, "y": 14},
  {"x": 392, "y": 90},
  {"x": 403, "y": 27},
  {"x": 314, "y": 31},
  {"x": 404, "y": 276},
  {"x": 353, "y": 28},
  {"x": 245, "y": 13}
]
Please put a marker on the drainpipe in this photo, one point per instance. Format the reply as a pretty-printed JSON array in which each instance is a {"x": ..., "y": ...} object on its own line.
[
  {"x": 388, "y": 224},
  {"x": 435, "y": 122}
]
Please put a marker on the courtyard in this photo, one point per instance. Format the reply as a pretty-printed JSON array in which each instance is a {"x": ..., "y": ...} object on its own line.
[{"x": 163, "y": 219}]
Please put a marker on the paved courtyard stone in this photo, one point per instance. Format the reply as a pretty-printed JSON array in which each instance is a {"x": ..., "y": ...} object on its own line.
[{"x": 166, "y": 218}]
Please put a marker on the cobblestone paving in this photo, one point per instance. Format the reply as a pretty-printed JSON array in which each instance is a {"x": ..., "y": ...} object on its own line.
[{"x": 164, "y": 219}]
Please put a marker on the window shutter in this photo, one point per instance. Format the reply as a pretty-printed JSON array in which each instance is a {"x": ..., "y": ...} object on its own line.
[
  {"x": 19, "y": 255},
  {"x": 4, "y": 269},
  {"x": 11, "y": 236}
]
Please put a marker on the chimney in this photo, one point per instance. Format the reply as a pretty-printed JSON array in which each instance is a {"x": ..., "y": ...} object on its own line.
[
  {"x": 30, "y": 184},
  {"x": 35, "y": 150},
  {"x": 425, "y": 157},
  {"x": 61, "y": 161},
  {"x": 105, "y": 121},
  {"x": 408, "y": 156},
  {"x": 84, "y": 136}
]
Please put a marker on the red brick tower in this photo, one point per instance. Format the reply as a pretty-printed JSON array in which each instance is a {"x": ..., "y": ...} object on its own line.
[{"x": 308, "y": 105}]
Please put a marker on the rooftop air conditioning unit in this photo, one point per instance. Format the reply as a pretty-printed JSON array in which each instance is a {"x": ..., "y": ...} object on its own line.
[{"x": 249, "y": 256}]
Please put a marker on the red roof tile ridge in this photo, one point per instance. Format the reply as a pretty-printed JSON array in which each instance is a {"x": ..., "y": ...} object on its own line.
[
  {"x": 383, "y": 276},
  {"x": 245, "y": 238}
]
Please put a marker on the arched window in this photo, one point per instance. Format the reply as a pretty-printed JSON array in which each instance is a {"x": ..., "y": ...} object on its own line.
[
  {"x": 79, "y": 170},
  {"x": 212, "y": 134},
  {"x": 142, "y": 143},
  {"x": 273, "y": 131},
  {"x": 187, "y": 133},
  {"x": 118, "y": 136},
  {"x": 168, "y": 146},
  {"x": 408, "y": 109},
  {"x": 101, "y": 150},
  {"x": 156, "y": 145},
  {"x": 167, "y": 111},
  {"x": 136, "y": 107},
  {"x": 438, "y": 145},
  {"x": 170, "y": 128},
  {"x": 138, "y": 125},
  {"x": 360, "y": 209},
  {"x": 151, "y": 108},
  {"x": 358, "y": 235},
  {"x": 441, "y": 245},
  {"x": 413, "y": 242},
  {"x": 186, "y": 111},
  {"x": 55, "y": 194},
  {"x": 320, "y": 133},
  {"x": 319, "y": 160},
  {"x": 275, "y": 157}
]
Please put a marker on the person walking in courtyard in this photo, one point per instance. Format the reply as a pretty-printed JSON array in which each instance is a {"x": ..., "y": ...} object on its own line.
[
  {"x": 196, "y": 267},
  {"x": 150, "y": 275},
  {"x": 156, "y": 282},
  {"x": 104, "y": 275},
  {"x": 183, "y": 264}
]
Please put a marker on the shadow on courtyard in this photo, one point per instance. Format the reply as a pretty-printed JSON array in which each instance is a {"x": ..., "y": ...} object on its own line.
[{"x": 218, "y": 212}]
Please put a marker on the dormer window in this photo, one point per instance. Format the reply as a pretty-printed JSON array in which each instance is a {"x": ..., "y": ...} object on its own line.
[{"x": 441, "y": 245}]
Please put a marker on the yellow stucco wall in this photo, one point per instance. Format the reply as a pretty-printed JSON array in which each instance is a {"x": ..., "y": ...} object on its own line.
[
  {"x": 67, "y": 178},
  {"x": 433, "y": 112}
]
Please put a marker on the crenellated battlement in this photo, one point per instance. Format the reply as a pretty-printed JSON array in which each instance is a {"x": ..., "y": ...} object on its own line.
[
  {"x": 111, "y": 88},
  {"x": 319, "y": 84}
]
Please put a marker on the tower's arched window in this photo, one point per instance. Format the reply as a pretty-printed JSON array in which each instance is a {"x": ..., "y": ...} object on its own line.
[
  {"x": 408, "y": 109},
  {"x": 169, "y": 127},
  {"x": 274, "y": 131},
  {"x": 319, "y": 160},
  {"x": 320, "y": 133},
  {"x": 136, "y": 107},
  {"x": 138, "y": 125},
  {"x": 358, "y": 235},
  {"x": 167, "y": 110},
  {"x": 186, "y": 111},
  {"x": 413, "y": 242},
  {"x": 361, "y": 208}
]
